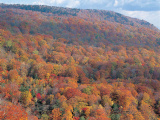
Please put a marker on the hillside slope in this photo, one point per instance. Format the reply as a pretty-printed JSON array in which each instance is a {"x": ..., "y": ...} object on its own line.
[
  {"x": 71, "y": 64},
  {"x": 93, "y": 26},
  {"x": 88, "y": 14}
]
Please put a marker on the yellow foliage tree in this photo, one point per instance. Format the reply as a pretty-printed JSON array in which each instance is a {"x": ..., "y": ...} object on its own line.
[
  {"x": 56, "y": 114},
  {"x": 26, "y": 98},
  {"x": 68, "y": 113}
]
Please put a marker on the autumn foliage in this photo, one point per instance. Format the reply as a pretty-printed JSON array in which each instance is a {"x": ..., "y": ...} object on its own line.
[{"x": 71, "y": 64}]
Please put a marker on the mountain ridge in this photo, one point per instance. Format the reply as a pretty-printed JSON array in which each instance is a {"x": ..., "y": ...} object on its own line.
[
  {"x": 75, "y": 25},
  {"x": 75, "y": 12}
]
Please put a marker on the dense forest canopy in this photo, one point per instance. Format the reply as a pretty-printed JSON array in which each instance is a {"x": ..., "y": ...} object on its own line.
[{"x": 72, "y": 64}]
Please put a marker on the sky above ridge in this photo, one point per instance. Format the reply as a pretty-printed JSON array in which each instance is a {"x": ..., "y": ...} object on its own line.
[{"x": 148, "y": 10}]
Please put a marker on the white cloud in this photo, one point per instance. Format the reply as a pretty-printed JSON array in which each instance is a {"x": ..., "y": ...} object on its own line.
[
  {"x": 41, "y": 2},
  {"x": 73, "y": 4},
  {"x": 63, "y": 3},
  {"x": 116, "y": 3},
  {"x": 58, "y": 1},
  {"x": 94, "y": 1}
]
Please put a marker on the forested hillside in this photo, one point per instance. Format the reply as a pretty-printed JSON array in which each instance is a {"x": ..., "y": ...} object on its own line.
[{"x": 72, "y": 64}]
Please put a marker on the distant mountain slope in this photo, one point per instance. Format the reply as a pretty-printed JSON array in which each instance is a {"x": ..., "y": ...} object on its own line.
[
  {"x": 96, "y": 14},
  {"x": 75, "y": 25}
]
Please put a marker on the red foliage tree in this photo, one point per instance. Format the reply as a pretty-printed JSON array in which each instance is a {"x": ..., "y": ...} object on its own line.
[{"x": 72, "y": 92}]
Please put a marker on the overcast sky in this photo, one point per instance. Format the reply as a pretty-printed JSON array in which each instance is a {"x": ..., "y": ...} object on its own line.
[{"x": 148, "y": 10}]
